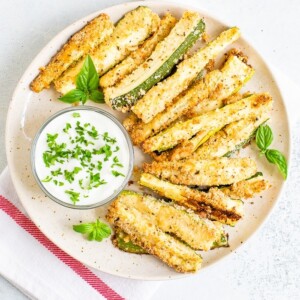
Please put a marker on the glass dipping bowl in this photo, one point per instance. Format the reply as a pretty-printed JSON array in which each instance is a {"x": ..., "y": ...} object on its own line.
[{"x": 127, "y": 175}]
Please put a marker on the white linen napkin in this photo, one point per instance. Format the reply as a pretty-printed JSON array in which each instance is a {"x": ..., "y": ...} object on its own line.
[{"x": 42, "y": 271}]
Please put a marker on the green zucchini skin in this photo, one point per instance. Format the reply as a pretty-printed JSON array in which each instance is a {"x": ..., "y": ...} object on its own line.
[
  {"x": 223, "y": 242},
  {"x": 241, "y": 145},
  {"x": 244, "y": 143},
  {"x": 127, "y": 100},
  {"x": 126, "y": 246}
]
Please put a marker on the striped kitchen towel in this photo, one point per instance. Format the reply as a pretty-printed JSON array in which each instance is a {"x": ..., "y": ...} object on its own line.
[{"x": 41, "y": 270}]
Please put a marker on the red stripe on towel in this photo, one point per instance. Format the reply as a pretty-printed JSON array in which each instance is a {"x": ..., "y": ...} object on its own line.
[{"x": 87, "y": 275}]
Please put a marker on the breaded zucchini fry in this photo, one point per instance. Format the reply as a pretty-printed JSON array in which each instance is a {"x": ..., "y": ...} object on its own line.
[
  {"x": 123, "y": 241},
  {"x": 160, "y": 63},
  {"x": 230, "y": 139},
  {"x": 81, "y": 43},
  {"x": 144, "y": 233},
  {"x": 234, "y": 98},
  {"x": 183, "y": 103},
  {"x": 168, "y": 154},
  {"x": 213, "y": 204},
  {"x": 136, "y": 58},
  {"x": 236, "y": 74},
  {"x": 130, "y": 31},
  {"x": 200, "y": 234},
  {"x": 206, "y": 95},
  {"x": 247, "y": 188},
  {"x": 131, "y": 122},
  {"x": 210, "y": 121},
  {"x": 187, "y": 147},
  {"x": 152, "y": 104},
  {"x": 219, "y": 171}
]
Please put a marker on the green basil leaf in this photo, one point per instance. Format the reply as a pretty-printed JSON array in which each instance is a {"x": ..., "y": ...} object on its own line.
[
  {"x": 96, "y": 96},
  {"x": 87, "y": 79},
  {"x": 264, "y": 137},
  {"x": 83, "y": 228},
  {"x": 96, "y": 230},
  {"x": 98, "y": 238},
  {"x": 103, "y": 229},
  {"x": 277, "y": 158},
  {"x": 92, "y": 235},
  {"x": 73, "y": 96}
]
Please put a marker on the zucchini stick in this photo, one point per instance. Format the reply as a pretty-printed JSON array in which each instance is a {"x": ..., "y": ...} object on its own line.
[
  {"x": 230, "y": 139},
  {"x": 213, "y": 204},
  {"x": 198, "y": 233},
  {"x": 160, "y": 63},
  {"x": 187, "y": 147},
  {"x": 236, "y": 74},
  {"x": 161, "y": 95},
  {"x": 81, "y": 43},
  {"x": 207, "y": 95},
  {"x": 136, "y": 58},
  {"x": 144, "y": 233},
  {"x": 247, "y": 188},
  {"x": 166, "y": 155},
  {"x": 131, "y": 122},
  {"x": 219, "y": 171},
  {"x": 247, "y": 107},
  {"x": 123, "y": 241},
  {"x": 183, "y": 103},
  {"x": 136, "y": 26}
]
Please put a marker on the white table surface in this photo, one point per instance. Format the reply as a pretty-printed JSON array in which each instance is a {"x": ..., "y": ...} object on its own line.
[{"x": 268, "y": 266}]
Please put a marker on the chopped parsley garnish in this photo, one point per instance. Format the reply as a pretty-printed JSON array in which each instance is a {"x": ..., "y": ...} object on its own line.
[
  {"x": 51, "y": 139},
  {"x": 87, "y": 148},
  {"x": 56, "y": 172},
  {"x": 69, "y": 175},
  {"x": 93, "y": 133},
  {"x": 47, "y": 179},
  {"x": 80, "y": 181},
  {"x": 79, "y": 129},
  {"x": 48, "y": 159},
  {"x": 74, "y": 196},
  {"x": 67, "y": 127},
  {"x": 116, "y": 163},
  {"x": 95, "y": 181},
  {"x": 117, "y": 174},
  {"x": 56, "y": 182},
  {"x": 106, "y": 150},
  {"x": 117, "y": 149},
  {"x": 108, "y": 139},
  {"x": 99, "y": 165}
]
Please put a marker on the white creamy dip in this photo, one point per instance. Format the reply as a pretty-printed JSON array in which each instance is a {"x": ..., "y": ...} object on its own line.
[{"x": 82, "y": 157}]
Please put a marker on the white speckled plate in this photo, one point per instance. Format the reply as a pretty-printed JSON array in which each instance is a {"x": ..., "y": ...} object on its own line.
[{"x": 28, "y": 111}]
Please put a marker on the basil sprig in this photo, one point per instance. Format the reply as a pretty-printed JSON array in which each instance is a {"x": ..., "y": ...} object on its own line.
[
  {"x": 87, "y": 85},
  {"x": 97, "y": 231},
  {"x": 264, "y": 138}
]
